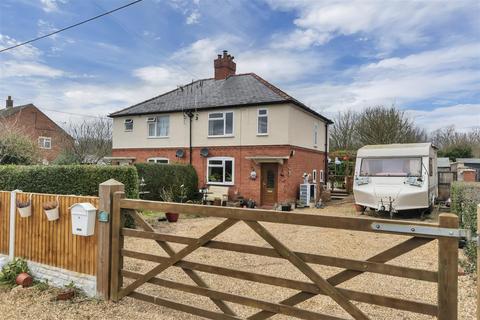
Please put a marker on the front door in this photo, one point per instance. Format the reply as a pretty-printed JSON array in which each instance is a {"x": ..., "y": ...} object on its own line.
[{"x": 269, "y": 182}]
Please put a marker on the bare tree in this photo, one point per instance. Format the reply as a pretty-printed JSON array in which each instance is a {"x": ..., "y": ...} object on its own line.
[
  {"x": 92, "y": 140},
  {"x": 381, "y": 125},
  {"x": 343, "y": 135},
  {"x": 453, "y": 143},
  {"x": 15, "y": 146}
]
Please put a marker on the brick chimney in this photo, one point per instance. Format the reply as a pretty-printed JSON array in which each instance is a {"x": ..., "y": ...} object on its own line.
[
  {"x": 224, "y": 66},
  {"x": 9, "y": 102}
]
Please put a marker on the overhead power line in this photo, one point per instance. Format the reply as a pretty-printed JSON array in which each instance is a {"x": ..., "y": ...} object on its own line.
[
  {"x": 71, "y": 26},
  {"x": 76, "y": 114}
]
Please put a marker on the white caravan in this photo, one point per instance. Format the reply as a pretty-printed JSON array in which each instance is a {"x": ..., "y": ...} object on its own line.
[{"x": 396, "y": 177}]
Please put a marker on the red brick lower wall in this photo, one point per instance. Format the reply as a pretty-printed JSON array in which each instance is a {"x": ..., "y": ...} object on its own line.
[{"x": 289, "y": 174}]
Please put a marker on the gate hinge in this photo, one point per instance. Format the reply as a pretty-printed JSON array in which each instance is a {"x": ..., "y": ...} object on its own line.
[{"x": 422, "y": 230}]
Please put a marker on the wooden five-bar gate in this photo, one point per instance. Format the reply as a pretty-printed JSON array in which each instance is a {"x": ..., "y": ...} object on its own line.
[{"x": 446, "y": 231}]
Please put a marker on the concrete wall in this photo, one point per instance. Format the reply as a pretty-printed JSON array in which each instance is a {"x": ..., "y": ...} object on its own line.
[{"x": 287, "y": 124}]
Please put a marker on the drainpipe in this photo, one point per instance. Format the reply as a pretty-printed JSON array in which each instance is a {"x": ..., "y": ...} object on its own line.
[
  {"x": 190, "y": 116},
  {"x": 325, "y": 174}
]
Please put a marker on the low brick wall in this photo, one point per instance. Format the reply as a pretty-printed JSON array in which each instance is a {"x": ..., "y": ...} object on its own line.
[{"x": 60, "y": 277}]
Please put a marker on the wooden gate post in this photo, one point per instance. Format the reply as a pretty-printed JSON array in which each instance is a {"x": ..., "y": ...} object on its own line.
[
  {"x": 117, "y": 245},
  {"x": 104, "y": 245},
  {"x": 448, "y": 270}
]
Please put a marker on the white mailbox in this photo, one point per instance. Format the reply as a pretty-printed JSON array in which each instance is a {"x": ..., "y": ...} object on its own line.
[{"x": 83, "y": 219}]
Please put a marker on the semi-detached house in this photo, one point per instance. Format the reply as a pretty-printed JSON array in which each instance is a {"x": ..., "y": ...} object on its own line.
[{"x": 237, "y": 130}]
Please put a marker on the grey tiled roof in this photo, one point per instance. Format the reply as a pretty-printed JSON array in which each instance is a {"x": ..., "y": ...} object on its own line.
[{"x": 237, "y": 90}]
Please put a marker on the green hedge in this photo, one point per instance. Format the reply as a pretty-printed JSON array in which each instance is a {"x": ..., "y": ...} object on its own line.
[
  {"x": 158, "y": 176},
  {"x": 70, "y": 179},
  {"x": 465, "y": 198}
]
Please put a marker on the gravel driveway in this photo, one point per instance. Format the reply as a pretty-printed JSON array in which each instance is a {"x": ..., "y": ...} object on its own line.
[{"x": 32, "y": 304}]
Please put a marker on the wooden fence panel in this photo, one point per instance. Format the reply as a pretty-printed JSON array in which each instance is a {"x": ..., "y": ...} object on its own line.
[
  {"x": 4, "y": 221},
  {"x": 52, "y": 242}
]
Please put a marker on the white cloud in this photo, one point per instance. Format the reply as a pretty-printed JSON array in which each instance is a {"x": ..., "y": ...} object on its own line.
[
  {"x": 51, "y": 5},
  {"x": 193, "y": 18},
  {"x": 462, "y": 116},
  {"x": 390, "y": 24},
  {"x": 9, "y": 69}
]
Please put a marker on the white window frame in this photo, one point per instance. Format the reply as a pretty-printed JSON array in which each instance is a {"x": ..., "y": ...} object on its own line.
[
  {"x": 322, "y": 176},
  {"x": 224, "y": 118},
  {"x": 223, "y": 159},
  {"x": 41, "y": 143},
  {"x": 262, "y": 116},
  {"x": 156, "y": 159},
  {"x": 314, "y": 175},
  {"x": 315, "y": 135},
  {"x": 127, "y": 121},
  {"x": 155, "y": 120}
]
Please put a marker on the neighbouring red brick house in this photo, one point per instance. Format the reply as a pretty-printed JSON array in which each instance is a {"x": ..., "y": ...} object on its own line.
[
  {"x": 237, "y": 130},
  {"x": 39, "y": 127}
]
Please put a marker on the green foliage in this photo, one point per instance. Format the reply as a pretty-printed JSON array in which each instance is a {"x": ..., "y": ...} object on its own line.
[
  {"x": 465, "y": 198},
  {"x": 66, "y": 157},
  {"x": 456, "y": 151},
  {"x": 11, "y": 270},
  {"x": 158, "y": 177},
  {"x": 17, "y": 148},
  {"x": 75, "y": 179}
]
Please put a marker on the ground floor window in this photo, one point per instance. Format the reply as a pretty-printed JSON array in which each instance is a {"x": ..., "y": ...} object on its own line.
[
  {"x": 220, "y": 170},
  {"x": 159, "y": 160},
  {"x": 45, "y": 142}
]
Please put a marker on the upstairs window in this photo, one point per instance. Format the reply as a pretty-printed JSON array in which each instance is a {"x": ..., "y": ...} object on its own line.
[
  {"x": 262, "y": 122},
  {"x": 220, "y": 124},
  {"x": 158, "y": 160},
  {"x": 220, "y": 171},
  {"x": 128, "y": 124},
  {"x": 158, "y": 127},
  {"x": 315, "y": 135},
  {"x": 45, "y": 143}
]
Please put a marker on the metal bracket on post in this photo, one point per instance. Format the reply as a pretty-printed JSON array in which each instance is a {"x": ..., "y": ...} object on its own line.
[{"x": 425, "y": 231}]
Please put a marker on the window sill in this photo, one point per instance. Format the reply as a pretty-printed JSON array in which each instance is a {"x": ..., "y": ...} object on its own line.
[
  {"x": 224, "y": 136},
  {"x": 262, "y": 134},
  {"x": 165, "y": 137},
  {"x": 220, "y": 184},
  {"x": 127, "y": 130}
]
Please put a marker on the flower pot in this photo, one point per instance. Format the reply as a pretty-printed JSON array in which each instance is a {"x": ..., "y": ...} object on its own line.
[
  {"x": 52, "y": 214},
  {"x": 66, "y": 295},
  {"x": 25, "y": 212},
  {"x": 172, "y": 217},
  {"x": 24, "y": 280}
]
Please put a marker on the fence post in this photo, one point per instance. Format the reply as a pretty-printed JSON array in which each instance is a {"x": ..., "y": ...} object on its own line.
[
  {"x": 105, "y": 192},
  {"x": 11, "y": 228},
  {"x": 448, "y": 270},
  {"x": 117, "y": 245},
  {"x": 478, "y": 264}
]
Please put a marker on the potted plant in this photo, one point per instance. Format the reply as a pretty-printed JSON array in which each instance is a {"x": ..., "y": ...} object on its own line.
[
  {"x": 172, "y": 195},
  {"x": 51, "y": 210},
  {"x": 25, "y": 208}
]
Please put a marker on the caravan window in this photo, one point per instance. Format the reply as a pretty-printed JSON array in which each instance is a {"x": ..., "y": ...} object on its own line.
[{"x": 391, "y": 167}]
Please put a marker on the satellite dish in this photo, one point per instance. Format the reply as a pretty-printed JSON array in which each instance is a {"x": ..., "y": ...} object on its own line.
[
  {"x": 180, "y": 153},
  {"x": 204, "y": 152}
]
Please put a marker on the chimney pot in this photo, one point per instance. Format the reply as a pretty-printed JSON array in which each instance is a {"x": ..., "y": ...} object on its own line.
[
  {"x": 9, "y": 102},
  {"x": 224, "y": 66}
]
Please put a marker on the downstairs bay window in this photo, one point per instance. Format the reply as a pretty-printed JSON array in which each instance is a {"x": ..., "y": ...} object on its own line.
[{"x": 220, "y": 170}]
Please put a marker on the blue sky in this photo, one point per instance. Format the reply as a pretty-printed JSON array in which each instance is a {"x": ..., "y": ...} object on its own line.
[{"x": 423, "y": 56}]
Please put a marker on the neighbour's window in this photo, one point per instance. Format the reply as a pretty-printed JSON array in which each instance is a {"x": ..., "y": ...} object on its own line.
[
  {"x": 158, "y": 160},
  {"x": 315, "y": 134},
  {"x": 314, "y": 176},
  {"x": 220, "y": 123},
  {"x": 391, "y": 167},
  {"x": 262, "y": 120},
  {"x": 45, "y": 143},
  {"x": 220, "y": 171},
  {"x": 158, "y": 126},
  {"x": 322, "y": 176},
  {"x": 128, "y": 124}
]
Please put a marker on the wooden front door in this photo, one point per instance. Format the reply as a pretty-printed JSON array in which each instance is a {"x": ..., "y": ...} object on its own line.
[{"x": 269, "y": 182}]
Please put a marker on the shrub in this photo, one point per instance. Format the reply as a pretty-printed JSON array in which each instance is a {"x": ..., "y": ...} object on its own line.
[
  {"x": 159, "y": 176},
  {"x": 11, "y": 270},
  {"x": 75, "y": 179},
  {"x": 465, "y": 198},
  {"x": 17, "y": 148}
]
